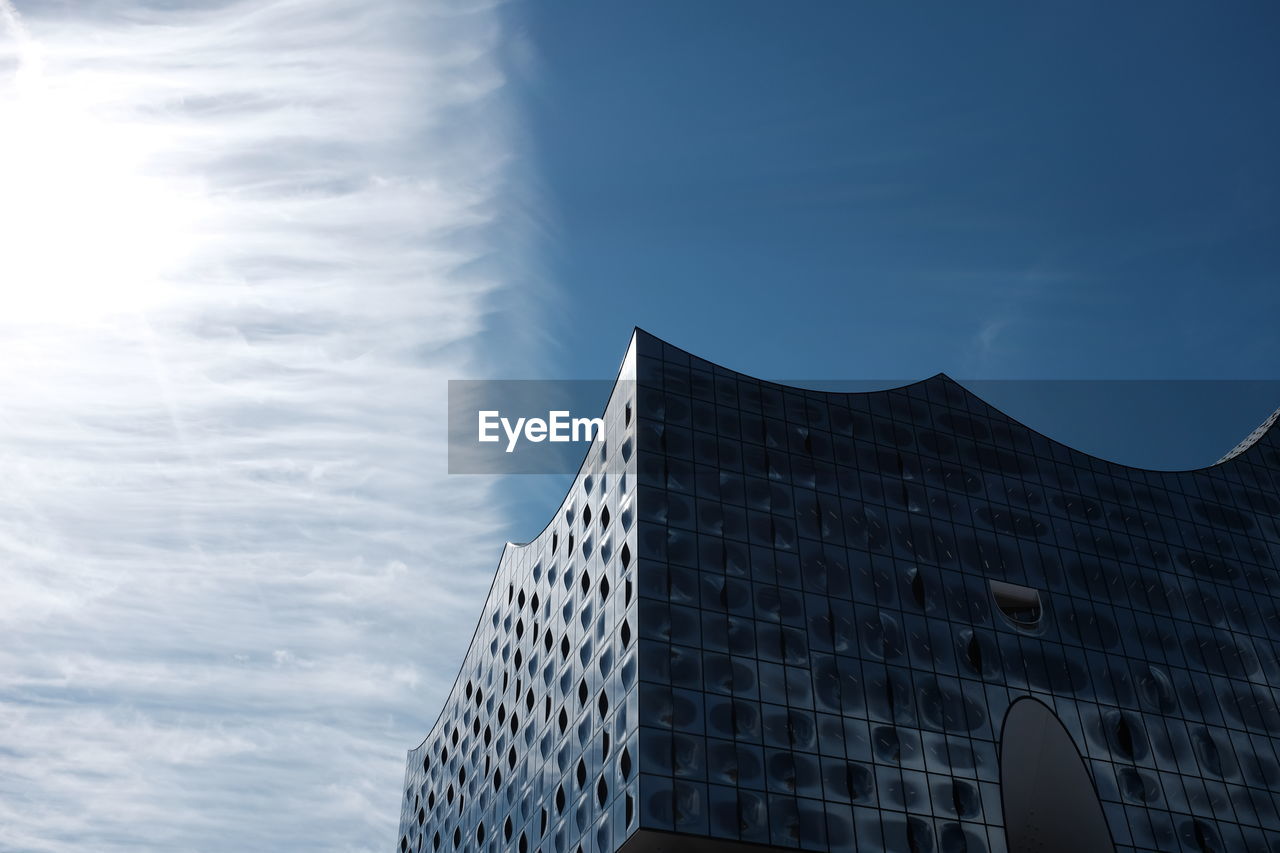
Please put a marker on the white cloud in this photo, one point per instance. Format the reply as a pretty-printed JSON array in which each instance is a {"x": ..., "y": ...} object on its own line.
[
  {"x": 988, "y": 331},
  {"x": 256, "y": 242}
]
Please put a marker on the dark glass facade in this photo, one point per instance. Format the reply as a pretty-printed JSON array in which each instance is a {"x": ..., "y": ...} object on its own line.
[{"x": 772, "y": 616}]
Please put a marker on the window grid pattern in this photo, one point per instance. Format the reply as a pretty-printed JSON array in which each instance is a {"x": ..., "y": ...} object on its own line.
[{"x": 822, "y": 665}]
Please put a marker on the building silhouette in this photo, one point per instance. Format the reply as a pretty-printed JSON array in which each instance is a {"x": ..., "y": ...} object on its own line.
[{"x": 900, "y": 621}]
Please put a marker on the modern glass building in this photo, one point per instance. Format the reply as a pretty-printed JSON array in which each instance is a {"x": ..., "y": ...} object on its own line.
[{"x": 767, "y": 617}]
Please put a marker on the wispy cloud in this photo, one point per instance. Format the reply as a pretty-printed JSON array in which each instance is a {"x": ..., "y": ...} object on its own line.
[{"x": 255, "y": 245}]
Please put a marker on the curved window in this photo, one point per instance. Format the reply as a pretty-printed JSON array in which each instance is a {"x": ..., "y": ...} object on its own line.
[
  {"x": 1050, "y": 804},
  {"x": 1019, "y": 604}
]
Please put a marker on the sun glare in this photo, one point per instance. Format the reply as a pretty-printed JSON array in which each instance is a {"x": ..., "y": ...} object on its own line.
[{"x": 86, "y": 230}]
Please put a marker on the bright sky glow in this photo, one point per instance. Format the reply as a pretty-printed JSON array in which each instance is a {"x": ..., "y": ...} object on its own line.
[
  {"x": 88, "y": 231},
  {"x": 243, "y": 245}
]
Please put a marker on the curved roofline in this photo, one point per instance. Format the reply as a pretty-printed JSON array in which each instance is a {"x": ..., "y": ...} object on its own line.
[
  {"x": 585, "y": 456},
  {"x": 1239, "y": 450},
  {"x": 508, "y": 546}
]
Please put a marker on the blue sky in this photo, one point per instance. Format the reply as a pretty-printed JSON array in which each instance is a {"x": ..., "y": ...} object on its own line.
[
  {"x": 245, "y": 244},
  {"x": 885, "y": 191},
  {"x": 1077, "y": 190}
]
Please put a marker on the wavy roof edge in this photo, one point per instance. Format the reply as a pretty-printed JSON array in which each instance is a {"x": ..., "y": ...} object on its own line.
[
  {"x": 1245, "y": 444},
  {"x": 628, "y": 358}
]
